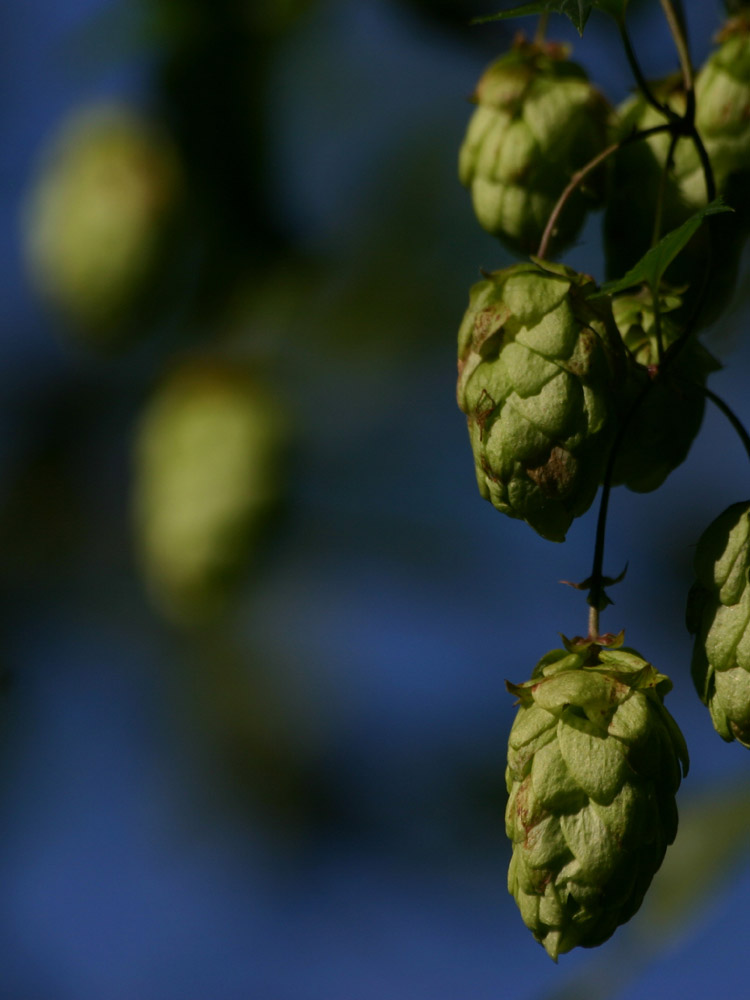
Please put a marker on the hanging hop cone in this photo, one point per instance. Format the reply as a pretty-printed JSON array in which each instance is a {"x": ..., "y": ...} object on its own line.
[
  {"x": 722, "y": 112},
  {"x": 722, "y": 92},
  {"x": 593, "y": 767},
  {"x": 718, "y": 614},
  {"x": 99, "y": 219},
  {"x": 208, "y": 474},
  {"x": 537, "y": 360},
  {"x": 537, "y": 121},
  {"x": 659, "y": 433},
  {"x": 637, "y": 179}
]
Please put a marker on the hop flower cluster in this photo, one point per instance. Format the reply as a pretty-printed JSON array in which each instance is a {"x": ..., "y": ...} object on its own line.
[
  {"x": 538, "y": 358},
  {"x": 567, "y": 386},
  {"x": 594, "y": 762},
  {"x": 538, "y": 120},
  {"x": 655, "y": 171}
]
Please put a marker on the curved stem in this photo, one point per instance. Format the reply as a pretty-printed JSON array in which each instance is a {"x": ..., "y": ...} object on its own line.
[
  {"x": 708, "y": 172},
  {"x": 597, "y": 598},
  {"x": 580, "y": 175},
  {"x": 675, "y": 16},
  {"x": 596, "y": 592},
  {"x": 640, "y": 79},
  {"x": 731, "y": 416},
  {"x": 659, "y": 214},
  {"x": 676, "y": 22}
]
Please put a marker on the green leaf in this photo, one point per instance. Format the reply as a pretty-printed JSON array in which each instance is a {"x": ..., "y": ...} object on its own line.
[
  {"x": 651, "y": 267},
  {"x": 577, "y": 10}
]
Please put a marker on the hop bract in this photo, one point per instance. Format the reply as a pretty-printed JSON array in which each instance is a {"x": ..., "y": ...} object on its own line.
[
  {"x": 594, "y": 763},
  {"x": 537, "y": 358},
  {"x": 207, "y": 475},
  {"x": 98, "y": 218},
  {"x": 538, "y": 120},
  {"x": 719, "y": 617},
  {"x": 659, "y": 433}
]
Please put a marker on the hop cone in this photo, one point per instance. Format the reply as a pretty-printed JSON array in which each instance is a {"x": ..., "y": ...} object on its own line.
[
  {"x": 536, "y": 359},
  {"x": 661, "y": 430},
  {"x": 207, "y": 475},
  {"x": 719, "y": 616},
  {"x": 593, "y": 767},
  {"x": 538, "y": 120},
  {"x": 722, "y": 91},
  {"x": 98, "y": 219},
  {"x": 637, "y": 173}
]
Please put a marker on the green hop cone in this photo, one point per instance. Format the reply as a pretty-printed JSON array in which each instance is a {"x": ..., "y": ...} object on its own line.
[
  {"x": 593, "y": 767},
  {"x": 538, "y": 358},
  {"x": 661, "y": 430},
  {"x": 722, "y": 92},
  {"x": 718, "y": 615},
  {"x": 537, "y": 121},
  {"x": 637, "y": 180},
  {"x": 98, "y": 220},
  {"x": 207, "y": 476}
]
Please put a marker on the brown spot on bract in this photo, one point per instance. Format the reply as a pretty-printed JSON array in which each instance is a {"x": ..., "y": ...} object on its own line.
[
  {"x": 555, "y": 477},
  {"x": 485, "y": 407}
]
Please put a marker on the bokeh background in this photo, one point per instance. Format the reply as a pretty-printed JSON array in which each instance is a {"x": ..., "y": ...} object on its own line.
[{"x": 302, "y": 798}]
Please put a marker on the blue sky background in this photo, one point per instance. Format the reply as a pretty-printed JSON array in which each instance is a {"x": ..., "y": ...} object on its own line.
[{"x": 394, "y": 605}]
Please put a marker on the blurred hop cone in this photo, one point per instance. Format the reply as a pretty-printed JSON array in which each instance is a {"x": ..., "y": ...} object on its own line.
[
  {"x": 593, "y": 767},
  {"x": 98, "y": 218},
  {"x": 538, "y": 360},
  {"x": 718, "y": 614},
  {"x": 208, "y": 462},
  {"x": 658, "y": 436},
  {"x": 538, "y": 120}
]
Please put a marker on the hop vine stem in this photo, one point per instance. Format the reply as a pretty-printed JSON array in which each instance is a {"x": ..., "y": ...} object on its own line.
[
  {"x": 678, "y": 126},
  {"x": 597, "y": 598},
  {"x": 676, "y": 21},
  {"x": 731, "y": 416},
  {"x": 635, "y": 68},
  {"x": 580, "y": 175}
]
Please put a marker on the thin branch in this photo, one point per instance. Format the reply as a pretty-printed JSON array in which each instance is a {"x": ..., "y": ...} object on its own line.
[
  {"x": 659, "y": 214},
  {"x": 677, "y": 28},
  {"x": 732, "y": 417},
  {"x": 708, "y": 171},
  {"x": 597, "y": 598},
  {"x": 580, "y": 175},
  {"x": 640, "y": 79}
]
